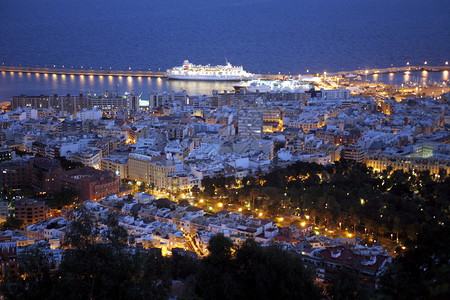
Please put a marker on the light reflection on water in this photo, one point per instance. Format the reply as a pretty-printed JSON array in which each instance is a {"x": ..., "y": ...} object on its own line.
[
  {"x": 407, "y": 77},
  {"x": 420, "y": 78},
  {"x": 13, "y": 84}
]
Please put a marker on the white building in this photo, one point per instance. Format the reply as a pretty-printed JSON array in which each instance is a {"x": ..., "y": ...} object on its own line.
[
  {"x": 250, "y": 124},
  {"x": 339, "y": 93},
  {"x": 91, "y": 114},
  {"x": 89, "y": 158}
]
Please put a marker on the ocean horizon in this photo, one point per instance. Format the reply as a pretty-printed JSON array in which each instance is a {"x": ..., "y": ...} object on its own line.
[{"x": 265, "y": 36}]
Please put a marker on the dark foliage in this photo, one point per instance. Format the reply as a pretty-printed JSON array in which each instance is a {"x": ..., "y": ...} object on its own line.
[
  {"x": 96, "y": 266},
  {"x": 252, "y": 272},
  {"x": 63, "y": 197},
  {"x": 423, "y": 270},
  {"x": 12, "y": 223},
  {"x": 385, "y": 203},
  {"x": 68, "y": 164}
]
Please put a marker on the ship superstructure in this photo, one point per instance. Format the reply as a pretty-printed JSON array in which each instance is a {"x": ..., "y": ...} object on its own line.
[
  {"x": 265, "y": 85},
  {"x": 189, "y": 71}
]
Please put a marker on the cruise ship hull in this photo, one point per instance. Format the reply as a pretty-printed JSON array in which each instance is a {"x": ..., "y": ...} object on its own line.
[{"x": 207, "y": 78}]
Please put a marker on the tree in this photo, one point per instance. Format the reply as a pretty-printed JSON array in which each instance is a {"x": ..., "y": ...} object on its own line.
[
  {"x": 215, "y": 279},
  {"x": 82, "y": 232},
  {"x": 102, "y": 266},
  {"x": 116, "y": 235},
  {"x": 63, "y": 197},
  {"x": 272, "y": 273},
  {"x": 12, "y": 222},
  {"x": 34, "y": 280},
  {"x": 252, "y": 272},
  {"x": 183, "y": 266},
  {"x": 345, "y": 286},
  {"x": 208, "y": 187},
  {"x": 68, "y": 164},
  {"x": 143, "y": 187},
  {"x": 423, "y": 270},
  {"x": 195, "y": 190}
]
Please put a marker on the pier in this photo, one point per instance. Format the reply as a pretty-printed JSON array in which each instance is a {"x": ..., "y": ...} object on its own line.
[
  {"x": 139, "y": 73},
  {"x": 84, "y": 72},
  {"x": 392, "y": 70}
]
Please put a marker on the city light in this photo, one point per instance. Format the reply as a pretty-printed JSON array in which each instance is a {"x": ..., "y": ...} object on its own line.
[{"x": 178, "y": 161}]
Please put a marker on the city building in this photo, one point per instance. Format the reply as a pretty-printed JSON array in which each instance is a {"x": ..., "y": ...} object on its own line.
[
  {"x": 356, "y": 153},
  {"x": 88, "y": 157},
  {"x": 339, "y": 93},
  {"x": 381, "y": 162},
  {"x": 92, "y": 114},
  {"x": 16, "y": 173},
  {"x": 157, "y": 100},
  {"x": 92, "y": 184},
  {"x": 75, "y": 103},
  {"x": 44, "y": 173},
  {"x": 118, "y": 164},
  {"x": 6, "y": 154},
  {"x": 150, "y": 170},
  {"x": 8, "y": 256},
  {"x": 30, "y": 211},
  {"x": 4, "y": 210},
  {"x": 250, "y": 124}
]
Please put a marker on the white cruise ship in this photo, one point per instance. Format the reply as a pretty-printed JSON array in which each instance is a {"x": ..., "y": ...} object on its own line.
[{"x": 190, "y": 71}]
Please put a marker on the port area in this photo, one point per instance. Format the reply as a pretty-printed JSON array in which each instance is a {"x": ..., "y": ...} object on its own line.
[{"x": 140, "y": 73}]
